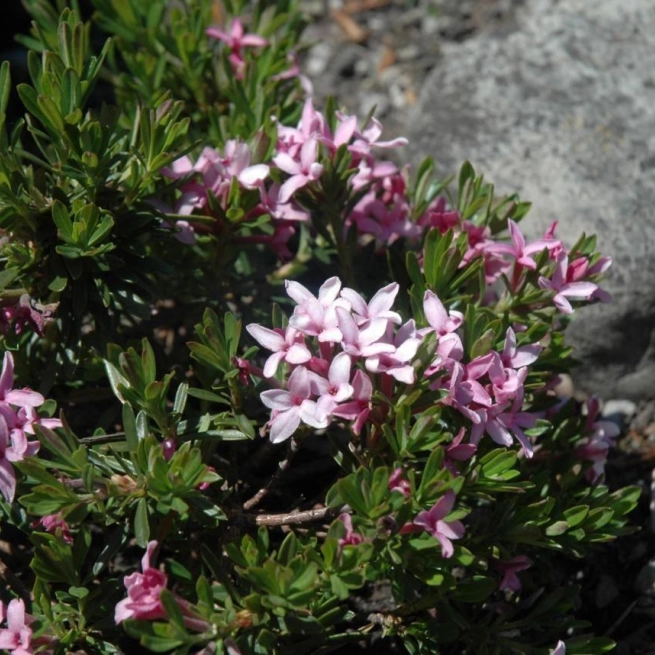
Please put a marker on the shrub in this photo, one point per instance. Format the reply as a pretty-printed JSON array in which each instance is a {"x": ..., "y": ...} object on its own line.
[{"x": 382, "y": 452}]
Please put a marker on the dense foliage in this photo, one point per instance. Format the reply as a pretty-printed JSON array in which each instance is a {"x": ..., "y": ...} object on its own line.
[{"x": 328, "y": 412}]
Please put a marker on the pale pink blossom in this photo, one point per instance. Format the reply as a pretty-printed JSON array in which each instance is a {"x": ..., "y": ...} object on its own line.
[
  {"x": 378, "y": 307},
  {"x": 17, "y": 636},
  {"x": 302, "y": 171},
  {"x": 286, "y": 345},
  {"x": 294, "y": 405},
  {"x": 441, "y": 321},
  {"x": 317, "y": 316},
  {"x": 143, "y": 592}
]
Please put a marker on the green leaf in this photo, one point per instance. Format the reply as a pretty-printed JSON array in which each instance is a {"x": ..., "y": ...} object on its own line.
[{"x": 141, "y": 524}]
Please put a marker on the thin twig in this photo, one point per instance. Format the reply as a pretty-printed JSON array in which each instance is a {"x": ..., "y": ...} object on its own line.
[
  {"x": 283, "y": 466},
  {"x": 13, "y": 582},
  {"x": 295, "y": 518},
  {"x": 621, "y": 618}
]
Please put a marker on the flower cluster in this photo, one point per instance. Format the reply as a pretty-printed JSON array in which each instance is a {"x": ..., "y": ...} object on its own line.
[
  {"x": 17, "y": 419},
  {"x": 357, "y": 347},
  {"x": 345, "y": 330}
]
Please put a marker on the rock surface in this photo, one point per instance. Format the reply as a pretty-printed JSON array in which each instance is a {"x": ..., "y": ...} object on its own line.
[{"x": 558, "y": 103}]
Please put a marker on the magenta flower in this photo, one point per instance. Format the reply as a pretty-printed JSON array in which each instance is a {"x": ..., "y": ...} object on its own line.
[
  {"x": 17, "y": 636},
  {"x": 509, "y": 569},
  {"x": 143, "y": 592},
  {"x": 398, "y": 483},
  {"x": 432, "y": 521},
  {"x": 236, "y": 40},
  {"x": 564, "y": 289},
  {"x": 351, "y": 538},
  {"x": 55, "y": 524},
  {"x": 458, "y": 452}
]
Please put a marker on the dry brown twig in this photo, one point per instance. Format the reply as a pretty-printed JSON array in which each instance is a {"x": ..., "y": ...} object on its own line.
[{"x": 282, "y": 467}]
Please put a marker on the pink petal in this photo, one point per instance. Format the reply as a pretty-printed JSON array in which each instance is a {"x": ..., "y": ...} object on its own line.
[
  {"x": 277, "y": 399},
  {"x": 291, "y": 186},
  {"x": 329, "y": 291},
  {"x": 340, "y": 369},
  {"x": 16, "y": 615},
  {"x": 298, "y": 292},
  {"x": 24, "y": 398},
  {"x": 270, "y": 367},
  {"x": 7, "y": 480},
  {"x": 251, "y": 176},
  {"x": 299, "y": 383},
  {"x": 435, "y": 312},
  {"x": 270, "y": 339},
  {"x": 215, "y": 33},
  {"x": 284, "y": 425},
  {"x": 298, "y": 354},
  {"x": 287, "y": 164},
  {"x": 254, "y": 40}
]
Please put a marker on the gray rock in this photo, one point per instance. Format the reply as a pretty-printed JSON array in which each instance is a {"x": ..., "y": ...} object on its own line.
[{"x": 561, "y": 108}]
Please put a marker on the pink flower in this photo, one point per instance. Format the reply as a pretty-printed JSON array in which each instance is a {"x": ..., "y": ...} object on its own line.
[
  {"x": 378, "y": 307},
  {"x": 143, "y": 597},
  {"x": 560, "y": 649},
  {"x": 287, "y": 345},
  {"x": 441, "y": 321},
  {"x": 302, "y": 171},
  {"x": 143, "y": 592},
  {"x": 359, "y": 408},
  {"x": 518, "y": 357},
  {"x": 523, "y": 253},
  {"x": 564, "y": 289},
  {"x": 295, "y": 405},
  {"x": 458, "y": 452},
  {"x": 351, "y": 538},
  {"x": 432, "y": 521},
  {"x": 17, "y": 636},
  {"x": 55, "y": 524},
  {"x": 16, "y": 397},
  {"x": 316, "y": 316},
  {"x": 236, "y": 40},
  {"x": 396, "y": 363},
  {"x": 398, "y": 483},
  {"x": 509, "y": 569}
]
